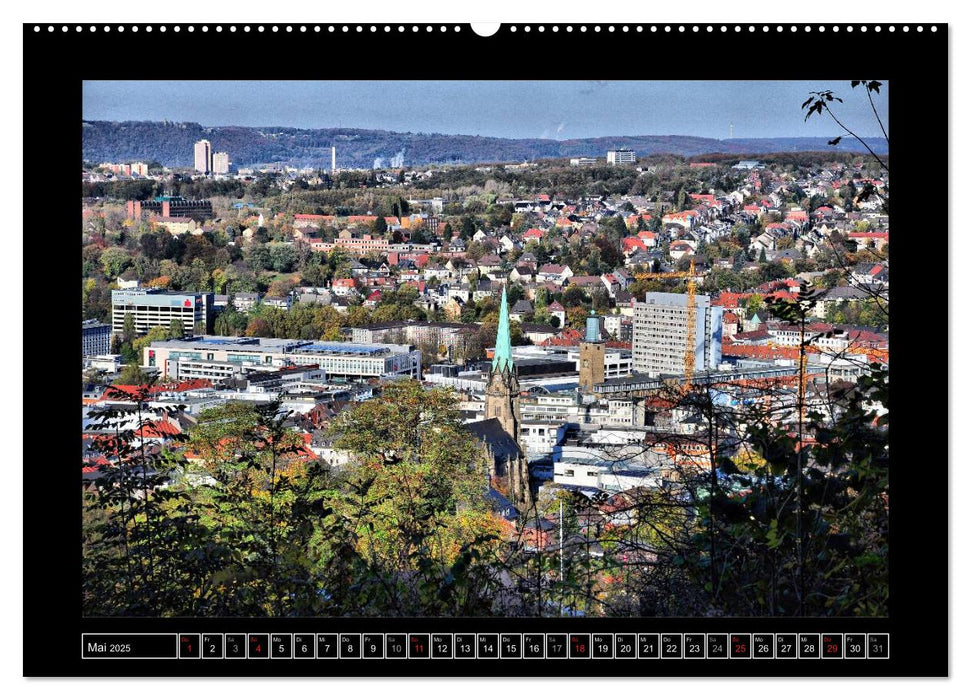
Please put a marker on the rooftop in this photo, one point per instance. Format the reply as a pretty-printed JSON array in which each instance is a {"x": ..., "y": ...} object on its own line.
[{"x": 281, "y": 345}]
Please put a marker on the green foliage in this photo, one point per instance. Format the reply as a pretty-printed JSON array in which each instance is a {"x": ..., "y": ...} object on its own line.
[
  {"x": 416, "y": 503},
  {"x": 114, "y": 261}
]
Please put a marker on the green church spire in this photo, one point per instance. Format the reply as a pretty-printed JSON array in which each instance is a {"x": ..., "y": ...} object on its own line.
[{"x": 502, "y": 360}]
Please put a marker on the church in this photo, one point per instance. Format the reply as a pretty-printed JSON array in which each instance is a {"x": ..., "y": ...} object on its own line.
[{"x": 499, "y": 430}]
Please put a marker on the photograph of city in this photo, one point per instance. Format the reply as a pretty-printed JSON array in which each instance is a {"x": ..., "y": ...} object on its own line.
[{"x": 532, "y": 349}]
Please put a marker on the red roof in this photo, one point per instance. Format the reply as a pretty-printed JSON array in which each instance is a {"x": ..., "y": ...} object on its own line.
[
  {"x": 158, "y": 429},
  {"x": 731, "y": 300},
  {"x": 761, "y": 352},
  {"x": 124, "y": 391}
]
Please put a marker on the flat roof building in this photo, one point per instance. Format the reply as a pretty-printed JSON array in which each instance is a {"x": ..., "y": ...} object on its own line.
[
  {"x": 220, "y": 163},
  {"x": 158, "y": 307},
  {"x": 621, "y": 156},
  {"x": 661, "y": 334},
  {"x": 171, "y": 206},
  {"x": 222, "y": 357},
  {"x": 203, "y": 156},
  {"x": 95, "y": 338}
]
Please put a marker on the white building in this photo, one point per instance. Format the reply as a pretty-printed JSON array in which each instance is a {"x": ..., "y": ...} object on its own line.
[
  {"x": 220, "y": 163},
  {"x": 150, "y": 308},
  {"x": 539, "y": 437},
  {"x": 621, "y": 156},
  {"x": 220, "y": 357},
  {"x": 609, "y": 460},
  {"x": 203, "y": 156},
  {"x": 661, "y": 334}
]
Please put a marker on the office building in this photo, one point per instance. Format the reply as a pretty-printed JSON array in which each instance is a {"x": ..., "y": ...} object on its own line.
[
  {"x": 95, "y": 338},
  {"x": 223, "y": 357},
  {"x": 169, "y": 206},
  {"x": 203, "y": 156},
  {"x": 220, "y": 163},
  {"x": 621, "y": 156},
  {"x": 661, "y": 334},
  {"x": 158, "y": 307}
]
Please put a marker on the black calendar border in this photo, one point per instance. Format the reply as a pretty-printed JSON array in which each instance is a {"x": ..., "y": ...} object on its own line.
[{"x": 916, "y": 66}]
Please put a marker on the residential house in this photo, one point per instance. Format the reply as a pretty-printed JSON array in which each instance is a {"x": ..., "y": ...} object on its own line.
[
  {"x": 520, "y": 310},
  {"x": 343, "y": 287},
  {"x": 245, "y": 301},
  {"x": 557, "y": 274},
  {"x": 488, "y": 264}
]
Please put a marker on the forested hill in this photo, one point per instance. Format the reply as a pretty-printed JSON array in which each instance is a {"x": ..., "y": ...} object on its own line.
[{"x": 171, "y": 143}]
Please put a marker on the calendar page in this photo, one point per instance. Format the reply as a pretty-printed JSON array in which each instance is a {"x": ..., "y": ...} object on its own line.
[{"x": 402, "y": 354}]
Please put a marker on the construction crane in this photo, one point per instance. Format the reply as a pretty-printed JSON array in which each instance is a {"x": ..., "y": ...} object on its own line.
[{"x": 689, "y": 350}]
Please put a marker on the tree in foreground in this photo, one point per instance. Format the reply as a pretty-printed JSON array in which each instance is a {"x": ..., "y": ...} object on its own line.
[{"x": 414, "y": 507}]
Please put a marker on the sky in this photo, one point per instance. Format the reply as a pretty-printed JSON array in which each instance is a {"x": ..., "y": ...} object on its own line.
[{"x": 512, "y": 109}]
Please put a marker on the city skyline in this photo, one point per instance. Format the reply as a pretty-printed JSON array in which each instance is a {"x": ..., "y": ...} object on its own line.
[{"x": 558, "y": 110}]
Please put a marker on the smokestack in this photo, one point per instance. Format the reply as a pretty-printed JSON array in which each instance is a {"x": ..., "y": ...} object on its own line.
[{"x": 333, "y": 159}]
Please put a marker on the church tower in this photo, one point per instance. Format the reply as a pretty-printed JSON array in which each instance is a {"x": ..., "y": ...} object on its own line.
[
  {"x": 502, "y": 404},
  {"x": 592, "y": 355},
  {"x": 502, "y": 388}
]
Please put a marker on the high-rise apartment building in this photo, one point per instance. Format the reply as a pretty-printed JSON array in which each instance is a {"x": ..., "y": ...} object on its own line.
[
  {"x": 661, "y": 333},
  {"x": 621, "y": 156},
  {"x": 220, "y": 163},
  {"x": 203, "y": 159},
  {"x": 157, "y": 307}
]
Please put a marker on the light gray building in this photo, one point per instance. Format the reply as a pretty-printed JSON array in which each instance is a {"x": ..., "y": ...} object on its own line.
[{"x": 661, "y": 334}]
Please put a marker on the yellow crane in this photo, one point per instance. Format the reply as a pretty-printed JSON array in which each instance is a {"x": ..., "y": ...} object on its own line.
[{"x": 689, "y": 350}]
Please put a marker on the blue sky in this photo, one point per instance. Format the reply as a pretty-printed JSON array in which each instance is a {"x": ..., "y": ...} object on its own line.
[{"x": 514, "y": 109}]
